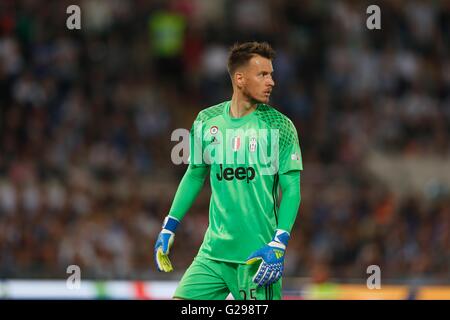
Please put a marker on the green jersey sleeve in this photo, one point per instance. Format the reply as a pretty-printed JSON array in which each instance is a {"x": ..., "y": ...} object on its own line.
[
  {"x": 290, "y": 153},
  {"x": 188, "y": 190},
  {"x": 197, "y": 170},
  {"x": 290, "y": 201},
  {"x": 196, "y": 145}
]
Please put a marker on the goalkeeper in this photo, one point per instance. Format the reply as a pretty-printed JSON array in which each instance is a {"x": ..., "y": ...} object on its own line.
[{"x": 249, "y": 228}]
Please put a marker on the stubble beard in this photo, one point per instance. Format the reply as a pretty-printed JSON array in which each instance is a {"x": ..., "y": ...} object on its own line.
[{"x": 252, "y": 99}]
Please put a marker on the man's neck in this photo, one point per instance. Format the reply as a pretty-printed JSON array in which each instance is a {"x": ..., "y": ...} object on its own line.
[{"x": 241, "y": 107}]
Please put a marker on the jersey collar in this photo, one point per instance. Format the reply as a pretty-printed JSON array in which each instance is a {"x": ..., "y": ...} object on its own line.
[{"x": 237, "y": 122}]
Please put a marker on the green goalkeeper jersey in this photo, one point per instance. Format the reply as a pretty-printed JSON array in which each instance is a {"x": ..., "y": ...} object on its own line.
[{"x": 246, "y": 156}]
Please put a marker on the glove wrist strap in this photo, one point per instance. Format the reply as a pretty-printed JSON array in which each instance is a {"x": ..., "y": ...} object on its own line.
[
  {"x": 281, "y": 237},
  {"x": 170, "y": 223}
]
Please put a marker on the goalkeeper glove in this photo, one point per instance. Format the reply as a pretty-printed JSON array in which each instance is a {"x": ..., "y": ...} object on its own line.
[
  {"x": 164, "y": 243},
  {"x": 272, "y": 256}
]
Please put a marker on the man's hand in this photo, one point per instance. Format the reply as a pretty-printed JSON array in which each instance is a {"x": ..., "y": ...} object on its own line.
[
  {"x": 164, "y": 243},
  {"x": 272, "y": 257}
]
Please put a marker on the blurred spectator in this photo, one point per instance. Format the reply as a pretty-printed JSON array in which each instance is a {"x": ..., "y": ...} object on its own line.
[{"x": 86, "y": 118}]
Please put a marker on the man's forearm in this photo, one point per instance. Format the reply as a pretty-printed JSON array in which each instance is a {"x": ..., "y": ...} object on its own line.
[
  {"x": 290, "y": 201},
  {"x": 190, "y": 186}
]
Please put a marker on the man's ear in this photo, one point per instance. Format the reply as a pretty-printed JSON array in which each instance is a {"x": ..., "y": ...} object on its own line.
[{"x": 239, "y": 79}]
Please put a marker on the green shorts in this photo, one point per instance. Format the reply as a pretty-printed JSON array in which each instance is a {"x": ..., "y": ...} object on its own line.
[{"x": 208, "y": 279}]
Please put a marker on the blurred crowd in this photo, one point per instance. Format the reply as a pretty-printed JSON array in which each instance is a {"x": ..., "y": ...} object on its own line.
[{"x": 86, "y": 118}]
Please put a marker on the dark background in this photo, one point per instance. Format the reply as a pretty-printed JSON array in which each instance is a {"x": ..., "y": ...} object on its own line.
[{"x": 86, "y": 116}]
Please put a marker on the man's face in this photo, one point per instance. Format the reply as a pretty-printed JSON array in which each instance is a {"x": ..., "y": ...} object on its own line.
[{"x": 256, "y": 79}]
